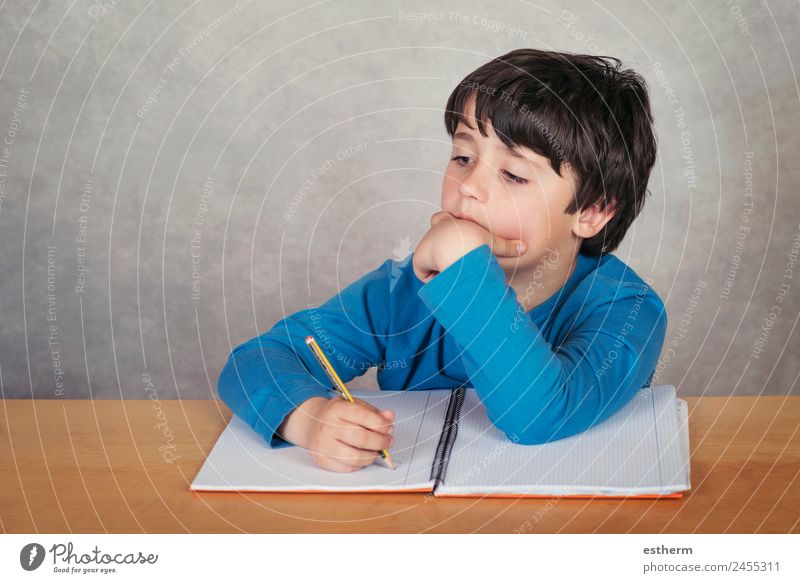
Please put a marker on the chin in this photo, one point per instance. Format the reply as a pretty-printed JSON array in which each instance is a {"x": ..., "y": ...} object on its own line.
[{"x": 513, "y": 263}]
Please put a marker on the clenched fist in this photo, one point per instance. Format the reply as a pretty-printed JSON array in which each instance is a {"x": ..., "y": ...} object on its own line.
[{"x": 450, "y": 238}]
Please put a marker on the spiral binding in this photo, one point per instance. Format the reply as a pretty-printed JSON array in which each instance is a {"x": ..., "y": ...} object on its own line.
[{"x": 447, "y": 437}]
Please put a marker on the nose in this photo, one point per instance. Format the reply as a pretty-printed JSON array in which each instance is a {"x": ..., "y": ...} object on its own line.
[{"x": 473, "y": 184}]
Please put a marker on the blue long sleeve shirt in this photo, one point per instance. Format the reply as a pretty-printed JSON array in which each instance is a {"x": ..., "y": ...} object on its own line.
[{"x": 544, "y": 374}]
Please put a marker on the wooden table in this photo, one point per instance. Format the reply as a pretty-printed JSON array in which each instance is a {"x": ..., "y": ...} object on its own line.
[{"x": 125, "y": 466}]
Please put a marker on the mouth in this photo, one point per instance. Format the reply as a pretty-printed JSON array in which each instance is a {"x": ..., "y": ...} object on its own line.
[{"x": 464, "y": 217}]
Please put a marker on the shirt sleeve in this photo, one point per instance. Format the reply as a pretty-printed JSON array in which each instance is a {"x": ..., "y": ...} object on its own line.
[
  {"x": 265, "y": 378},
  {"x": 532, "y": 391}
]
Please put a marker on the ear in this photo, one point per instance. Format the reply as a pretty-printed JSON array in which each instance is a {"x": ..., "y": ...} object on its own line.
[{"x": 591, "y": 220}]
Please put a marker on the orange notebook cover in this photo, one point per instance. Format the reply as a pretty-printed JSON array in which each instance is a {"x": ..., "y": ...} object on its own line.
[{"x": 445, "y": 444}]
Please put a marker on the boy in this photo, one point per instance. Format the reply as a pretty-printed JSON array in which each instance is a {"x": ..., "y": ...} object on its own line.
[{"x": 551, "y": 151}]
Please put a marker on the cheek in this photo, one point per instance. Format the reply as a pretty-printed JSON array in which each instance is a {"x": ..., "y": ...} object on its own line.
[
  {"x": 545, "y": 215},
  {"x": 449, "y": 189},
  {"x": 515, "y": 221},
  {"x": 450, "y": 179},
  {"x": 448, "y": 202}
]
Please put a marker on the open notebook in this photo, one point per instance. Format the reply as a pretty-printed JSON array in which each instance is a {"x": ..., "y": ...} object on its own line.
[{"x": 445, "y": 444}]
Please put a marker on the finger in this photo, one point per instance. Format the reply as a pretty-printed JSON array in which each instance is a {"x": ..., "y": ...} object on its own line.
[
  {"x": 426, "y": 275},
  {"x": 332, "y": 464},
  {"x": 357, "y": 436},
  {"x": 337, "y": 466},
  {"x": 353, "y": 456},
  {"x": 367, "y": 404},
  {"x": 507, "y": 247},
  {"x": 438, "y": 217},
  {"x": 387, "y": 414},
  {"x": 358, "y": 414}
]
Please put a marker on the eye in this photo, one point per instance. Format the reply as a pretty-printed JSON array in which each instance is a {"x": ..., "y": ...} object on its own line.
[
  {"x": 515, "y": 179},
  {"x": 464, "y": 160}
]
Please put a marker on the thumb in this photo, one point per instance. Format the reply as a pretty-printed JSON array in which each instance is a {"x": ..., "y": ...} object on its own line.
[{"x": 507, "y": 247}]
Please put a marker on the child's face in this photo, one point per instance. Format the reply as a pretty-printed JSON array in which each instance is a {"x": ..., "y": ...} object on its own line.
[{"x": 515, "y": 197}]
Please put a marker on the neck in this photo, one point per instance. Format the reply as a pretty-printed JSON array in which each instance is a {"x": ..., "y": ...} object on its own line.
[{"x": 536, "y": 284}]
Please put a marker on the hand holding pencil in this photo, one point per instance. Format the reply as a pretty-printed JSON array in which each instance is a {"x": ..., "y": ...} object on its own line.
[{"x": 345, "y": 434}]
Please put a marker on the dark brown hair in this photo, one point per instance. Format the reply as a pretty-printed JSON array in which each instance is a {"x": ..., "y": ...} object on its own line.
[{"x": 582, "y": 110}]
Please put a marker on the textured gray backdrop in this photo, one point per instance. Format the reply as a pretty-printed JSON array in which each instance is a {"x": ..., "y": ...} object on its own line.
[{"x": 176, "y": 177}]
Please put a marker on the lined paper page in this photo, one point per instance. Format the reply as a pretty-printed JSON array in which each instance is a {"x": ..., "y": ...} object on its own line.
[
  {"x": 683, "y": 422},
  {"x": 641, "y": 449},
  {"x": 241, "y": 459}
]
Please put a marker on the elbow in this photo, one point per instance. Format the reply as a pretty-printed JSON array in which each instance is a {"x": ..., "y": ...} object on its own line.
[
  {"x": 538, "y": 436},
  {"x": 535, "y": 437},
  {"x": 527, "y": 433},
  {"x": 229, "y": 387},
  {"x": 537, "y": 431},
  {"x": 531, "y": 422},
  {"x": 528, "y": 438},
  {"x": 224, "y": 384}
]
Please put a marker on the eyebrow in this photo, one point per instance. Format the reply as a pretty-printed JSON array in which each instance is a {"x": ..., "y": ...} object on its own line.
[{"x": 469, "y": 138}]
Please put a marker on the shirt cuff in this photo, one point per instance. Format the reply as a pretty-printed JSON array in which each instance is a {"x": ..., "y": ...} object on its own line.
[{"x": 476, "y": 277}]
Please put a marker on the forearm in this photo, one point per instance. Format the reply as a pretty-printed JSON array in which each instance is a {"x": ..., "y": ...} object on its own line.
[
  {"x": 539, "y": 395},
  {"x": 268, "y": 377},
  {"x": 249, "y": 385},
  {"x": 533, "y": 392},
  {"x": 513, "y": 369}
]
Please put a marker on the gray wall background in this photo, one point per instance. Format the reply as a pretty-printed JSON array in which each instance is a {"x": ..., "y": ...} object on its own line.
[{"x": 173, "y": 138}]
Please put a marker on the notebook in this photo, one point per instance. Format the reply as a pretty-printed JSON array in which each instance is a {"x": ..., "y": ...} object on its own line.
[{"x": 446, "y": 445}]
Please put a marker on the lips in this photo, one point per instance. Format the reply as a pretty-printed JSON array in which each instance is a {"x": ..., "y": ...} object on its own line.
[{"x": 464, "y": 217}]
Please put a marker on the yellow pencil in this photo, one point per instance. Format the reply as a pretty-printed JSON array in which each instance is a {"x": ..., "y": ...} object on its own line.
[{"x": 337, "y": 382}]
